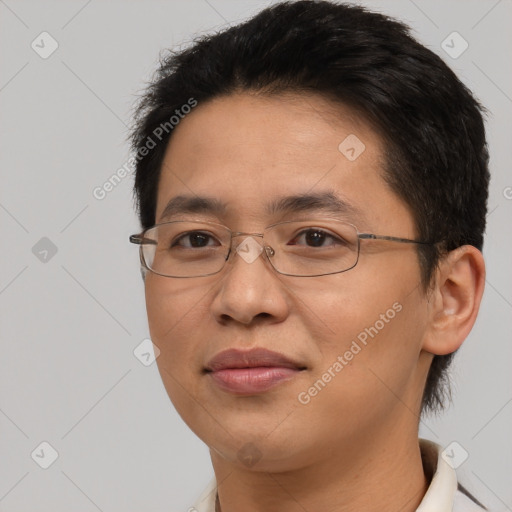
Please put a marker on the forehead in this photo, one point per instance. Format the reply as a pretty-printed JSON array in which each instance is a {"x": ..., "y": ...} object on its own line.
[
  {"x": 252, "y": 153},
  {"x": 295, "y": 127}
]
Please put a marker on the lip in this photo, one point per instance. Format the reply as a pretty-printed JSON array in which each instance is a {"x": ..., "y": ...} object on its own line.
[{"x": 251, "y": 371}]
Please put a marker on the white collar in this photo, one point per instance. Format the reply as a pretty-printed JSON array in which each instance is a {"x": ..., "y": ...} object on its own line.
[
  {"x": 438, "y": 498},
  {"x": 443, "y": 486}
]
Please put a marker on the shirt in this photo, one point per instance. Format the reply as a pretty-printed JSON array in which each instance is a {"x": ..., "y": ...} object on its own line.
[{"x": 443, "y": 494}]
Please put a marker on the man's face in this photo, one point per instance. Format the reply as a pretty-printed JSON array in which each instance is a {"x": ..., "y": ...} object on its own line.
[{"x": 247, "y": 152}]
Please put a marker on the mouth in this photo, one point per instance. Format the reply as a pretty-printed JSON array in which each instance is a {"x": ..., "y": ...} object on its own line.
[{"x": 250, "y": 372}]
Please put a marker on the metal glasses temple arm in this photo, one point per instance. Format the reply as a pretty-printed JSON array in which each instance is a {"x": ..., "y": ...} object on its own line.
[
  {"x": 370, "y": 236},
  {"x": 139, "y": 240}
]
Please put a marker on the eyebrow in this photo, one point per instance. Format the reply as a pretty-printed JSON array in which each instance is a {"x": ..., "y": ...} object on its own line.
[
  {"x": 193, "y": 204},
  {"x": 325, "y": 202}
]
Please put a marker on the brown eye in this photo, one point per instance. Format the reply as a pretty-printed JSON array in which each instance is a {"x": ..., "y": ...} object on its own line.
[
  {"x": 193, "y": 239},
  {"x": 316, "y": 238}
]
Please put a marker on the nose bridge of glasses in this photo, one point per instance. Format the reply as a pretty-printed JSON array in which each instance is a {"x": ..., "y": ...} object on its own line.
[
  {"x": 248, "y": 248},
  {"x": 236, "y": 234}
]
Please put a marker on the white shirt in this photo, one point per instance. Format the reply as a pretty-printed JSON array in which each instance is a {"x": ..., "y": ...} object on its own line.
[{"x": 442, "y": 494}]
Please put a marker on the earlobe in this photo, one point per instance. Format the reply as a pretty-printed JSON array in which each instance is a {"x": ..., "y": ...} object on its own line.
[{"x": 455, "y": 300}]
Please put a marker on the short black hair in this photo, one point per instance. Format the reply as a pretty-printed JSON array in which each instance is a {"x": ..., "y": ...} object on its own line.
[{"x": 436, "y": 157}]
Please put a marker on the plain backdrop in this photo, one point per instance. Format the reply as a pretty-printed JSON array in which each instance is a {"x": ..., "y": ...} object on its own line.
[{"x": 71, "y": 296}]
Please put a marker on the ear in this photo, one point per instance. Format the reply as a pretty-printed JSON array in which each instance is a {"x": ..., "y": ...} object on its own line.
[{"x": 455, "y": 300}]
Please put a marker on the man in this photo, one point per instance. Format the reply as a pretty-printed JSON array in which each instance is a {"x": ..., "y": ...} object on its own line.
[{"x": 312, "y": 188}]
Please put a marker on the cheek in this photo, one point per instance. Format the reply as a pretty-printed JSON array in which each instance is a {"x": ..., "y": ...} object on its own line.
[
  {"x": 366, "y": 372},
  {"x": 344, "y": 309},
  {"x": 175, "y": 316},
  {"x": 170, "y": 302},
  {"x": 366, "y": 333},
  {"x": 176, "y": 313}
]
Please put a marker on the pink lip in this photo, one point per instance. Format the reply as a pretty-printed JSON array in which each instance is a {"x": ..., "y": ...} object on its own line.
[{"x": 251, "y": 371}]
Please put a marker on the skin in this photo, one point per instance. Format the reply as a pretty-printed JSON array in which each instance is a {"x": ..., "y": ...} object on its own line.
[{"x": 353, "y": 445}]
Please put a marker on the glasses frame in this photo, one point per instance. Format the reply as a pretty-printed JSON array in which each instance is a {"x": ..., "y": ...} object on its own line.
[{"x": 139, "y": 239}]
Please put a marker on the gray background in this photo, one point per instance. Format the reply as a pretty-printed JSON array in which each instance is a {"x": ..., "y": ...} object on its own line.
[{"x": 71, "y": 320}]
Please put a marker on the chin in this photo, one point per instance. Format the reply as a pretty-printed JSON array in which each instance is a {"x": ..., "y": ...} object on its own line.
[{"x": 260, "y": 455}]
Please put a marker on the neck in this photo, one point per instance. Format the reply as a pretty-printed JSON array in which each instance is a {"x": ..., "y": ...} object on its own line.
[{"x": 377, "y": 475}]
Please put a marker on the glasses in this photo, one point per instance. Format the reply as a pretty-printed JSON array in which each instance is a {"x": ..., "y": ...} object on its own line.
[{"x": 305, "y": 248}]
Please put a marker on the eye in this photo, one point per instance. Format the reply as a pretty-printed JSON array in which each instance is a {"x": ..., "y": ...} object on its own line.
[
  {"x": 193, "y": 240},
  {"x": 314, "y": 237}
]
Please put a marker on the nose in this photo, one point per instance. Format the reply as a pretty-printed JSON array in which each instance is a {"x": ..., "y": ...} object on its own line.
[{"x": 249, "y": 289}]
